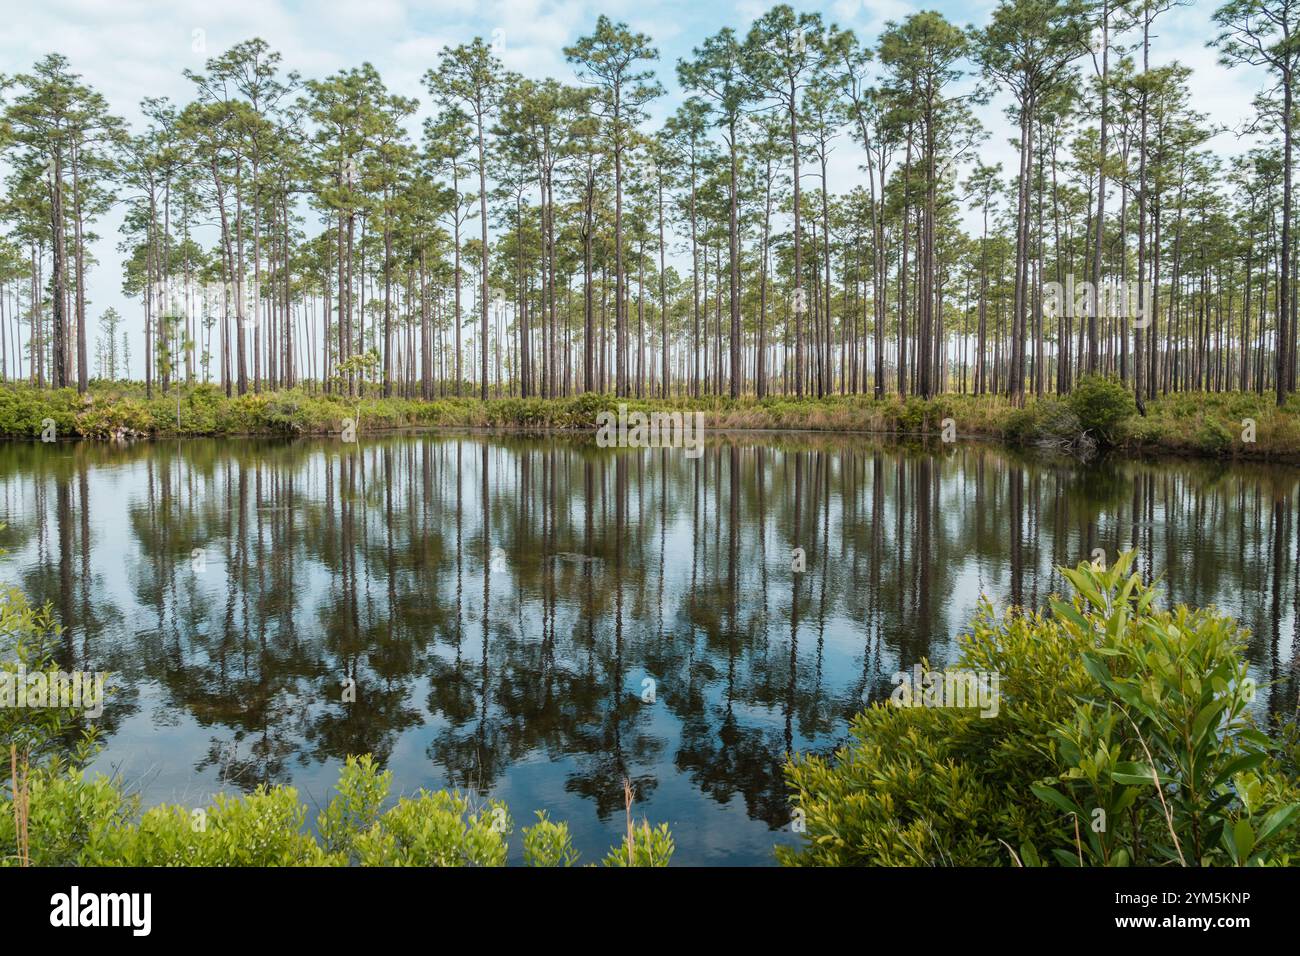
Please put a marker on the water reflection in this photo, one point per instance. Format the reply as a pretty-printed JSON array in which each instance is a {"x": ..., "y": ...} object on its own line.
[{"x": 501, "y": 605}]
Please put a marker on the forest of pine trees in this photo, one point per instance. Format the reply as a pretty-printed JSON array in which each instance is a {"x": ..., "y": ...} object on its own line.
[{"x": 504, "y": 235}]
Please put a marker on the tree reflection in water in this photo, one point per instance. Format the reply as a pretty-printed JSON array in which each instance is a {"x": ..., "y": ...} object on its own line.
[{"x": 498, "y": 603}]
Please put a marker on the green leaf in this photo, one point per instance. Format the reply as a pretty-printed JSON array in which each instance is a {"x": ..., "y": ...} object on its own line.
[
  {"x": 1244, "y": 839},
  {"x": 1207, "y": 717},
  {"x": 1065, "y": 857},
  {"x": 1067, "y": 611},
  {"x": 1136, "y": 774},
  {"x": 1240, "y": 765},
  {"x": 1277, "y": 820},
  {"x": 1056, "y": 799}
]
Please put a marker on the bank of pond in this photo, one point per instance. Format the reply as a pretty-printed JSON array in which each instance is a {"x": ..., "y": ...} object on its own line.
[{"x": 1097, "y": 414}]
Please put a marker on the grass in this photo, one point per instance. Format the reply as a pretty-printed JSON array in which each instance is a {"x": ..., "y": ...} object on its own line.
[{"x": 1197, "y": 424}]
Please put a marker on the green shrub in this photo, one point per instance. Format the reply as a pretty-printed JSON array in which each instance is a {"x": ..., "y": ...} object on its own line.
[
  {"x": 930, "y": 786},
  {"x": 1091, "y": 697},
  {"x": 547, "y": 843},
  {"x": 1101, "y": 404},
  {"x": 72, "y": 820},
  {"x": 24, "y": 409},
  {"x": 650, "y": 846},
  {"x": 29, "y": 640},
  {"x": 1020, "y": 425},
  {"x": 1212, "y": 438},
  {"x": 263, "y": 828},
  {"x": 912, "y": 415},
  {"x": 582, "y": 410},
  {"x": 284, "y": 414},
  {"x": 75, "y": 821},
  {"x": 356, "y": 808},
  {"x": 1046, "y": 422},
  {"x": 1170, "y": 703},
  {"x": 1056, "y": 421},
  {"x": 437, "y": 829},
  {"x": 109, "y": 419}
]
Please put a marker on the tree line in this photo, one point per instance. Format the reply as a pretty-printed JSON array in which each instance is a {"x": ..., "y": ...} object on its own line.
[{"x": 541, "y": 237}]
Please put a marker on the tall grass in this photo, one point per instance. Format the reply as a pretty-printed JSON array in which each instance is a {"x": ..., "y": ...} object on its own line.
[{"x": 1209, "y": 425}]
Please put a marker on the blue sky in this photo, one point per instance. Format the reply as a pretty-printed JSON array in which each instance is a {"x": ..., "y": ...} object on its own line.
[{"x": 132, "y": 48}]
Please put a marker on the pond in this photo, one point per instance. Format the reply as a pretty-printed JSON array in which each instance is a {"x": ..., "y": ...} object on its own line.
[{"x": 536, "y": 619}]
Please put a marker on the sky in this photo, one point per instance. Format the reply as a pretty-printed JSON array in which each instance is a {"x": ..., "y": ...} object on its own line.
[{"x": 129, "y": 49}]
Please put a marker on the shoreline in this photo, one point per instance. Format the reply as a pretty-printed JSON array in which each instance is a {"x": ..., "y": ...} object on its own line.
[{"x": 1187, "y": 425}]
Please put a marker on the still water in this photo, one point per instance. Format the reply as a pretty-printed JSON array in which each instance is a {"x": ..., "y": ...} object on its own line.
[{"x": 536, "y": 619}]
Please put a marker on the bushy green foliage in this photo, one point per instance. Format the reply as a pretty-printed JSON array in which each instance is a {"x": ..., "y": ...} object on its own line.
[
  {"x": 1101, "y": 404},
  {"x": 284, "y": 413},
  {"x": 49, "y": 748},
  {"x": 356, "y": 807},
  {"x": 437, "y": 829},
  {"x": 650, "y": 846},
  {"x": 110, "y": 419},
  {"x": 1047, "y": 422},
  {"x": 1020, "y": 425},
  {"x": 23, "y": 409},
  {"x": 1171, "y": 702},
  {"x": 1057, "y": 420},
  {"x": 1196, "y": 423},
  {"x": 585, "y": 408},
  {"x": 547, "y": 843},
  {"x": 1213, "y": 438},
  {"x": 29, "y": 638},
  {"x": 1091, "y": 696},
  {"x": 72, "y": 820},
  {"x": 78, "y": 821},
  {"x": 930, "y": 786},
  {"x": 912, "y": 417},
  {"x": 263, "y": 828}
]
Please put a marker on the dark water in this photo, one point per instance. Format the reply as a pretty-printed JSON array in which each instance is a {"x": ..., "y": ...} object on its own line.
[{"x": 500, "y": 603}]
